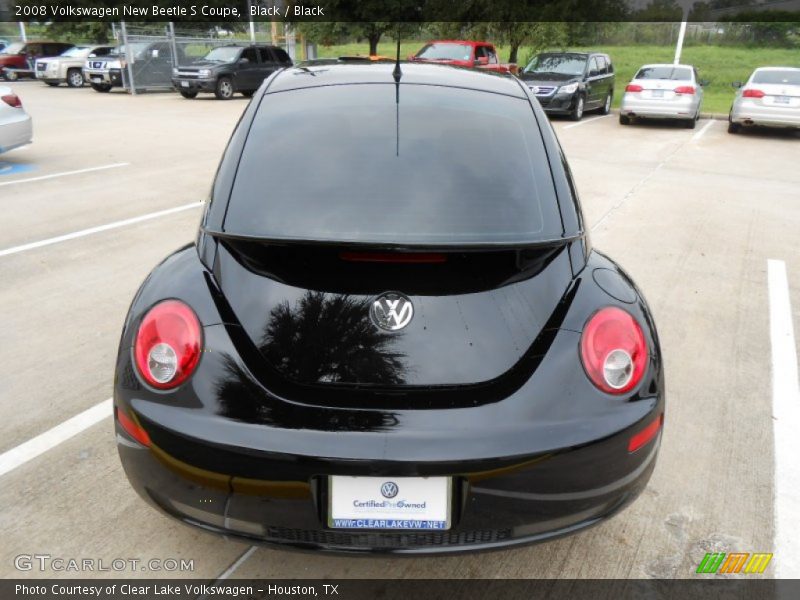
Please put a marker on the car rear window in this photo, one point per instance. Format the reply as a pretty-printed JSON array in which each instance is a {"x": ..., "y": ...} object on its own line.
[
  {"x": 778, "y": 77},
  {"x": 349, "y": 163},
  {"x": 664, "y": 72}
]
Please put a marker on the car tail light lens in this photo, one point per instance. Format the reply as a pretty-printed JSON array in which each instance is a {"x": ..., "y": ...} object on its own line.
[
  {"x": 12, "y": 100},
  {"x": 632, "y": 87},
  {"x": 646, "y": 434},
  {"x": 753, "y": 93},
  {"x": 684, "y": 89},
  {"x": 167, "y": 347},
  {"x": 613, "y": 350}
]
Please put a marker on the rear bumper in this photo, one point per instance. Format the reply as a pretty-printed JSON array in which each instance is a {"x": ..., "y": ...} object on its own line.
[
  {"x": 749, "y": 113},
  {"x": 16, "y": 133},
  {"x": 676, "y": 108}
]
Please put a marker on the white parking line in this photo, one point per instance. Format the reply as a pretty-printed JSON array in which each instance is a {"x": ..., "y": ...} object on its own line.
[
  {"x": 230, "y": 570},
  {"x": 587, "y": 121},
  {"x": 98, "y": 229},
  {"x": 19, "y": 455},
  {"x": 64, "y": 173},
  {"x": 785, "y": 421},
  {"x": 702, "y": 132}
]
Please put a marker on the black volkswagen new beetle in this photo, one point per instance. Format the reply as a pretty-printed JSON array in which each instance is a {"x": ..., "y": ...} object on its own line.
[{"x": 392, "y": 333}]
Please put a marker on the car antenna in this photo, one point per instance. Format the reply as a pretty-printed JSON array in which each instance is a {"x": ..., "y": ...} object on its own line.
[{"x": 397, "y": 73}]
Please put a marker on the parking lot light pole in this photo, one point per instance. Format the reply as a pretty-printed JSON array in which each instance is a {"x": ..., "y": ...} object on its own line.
[
  {"x": 128, "y": 57},
  {"x": 681, "y": 33}
]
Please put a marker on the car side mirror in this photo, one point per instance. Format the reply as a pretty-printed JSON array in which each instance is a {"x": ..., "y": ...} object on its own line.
[
  {"x": 154, "y": 53},
  {"x": 594, "y": 73},
  {"x": 703, "y": 82},
  {"x": 737, "y": 84},
  {"x": 482, "y": 60},
  {"x": 244, "y": 61}
]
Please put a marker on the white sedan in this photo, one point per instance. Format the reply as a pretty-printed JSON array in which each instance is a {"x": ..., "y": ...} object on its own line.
[
  {"x": 16, "y": 127},
  {"x": 770, "y": 98},
  {"x": 663, "y": 91}
]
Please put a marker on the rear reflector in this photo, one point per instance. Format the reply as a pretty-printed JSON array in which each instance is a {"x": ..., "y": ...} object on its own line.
[
  {"x": 751, "y": 93},
  {"x": 393, "y": 257},
  {"x": 132, "y": 429},
  {"x": 684, "y": 89},
  {"x": 632, "y": 87},
  {"x": 646, "y": 434}
]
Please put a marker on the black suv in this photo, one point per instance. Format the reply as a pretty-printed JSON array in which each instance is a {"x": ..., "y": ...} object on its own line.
[
  {"x": 570, "y": 83},
  {"x": 229, "y": 69}
]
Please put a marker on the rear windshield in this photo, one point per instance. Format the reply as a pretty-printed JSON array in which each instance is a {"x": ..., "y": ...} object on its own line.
[
  {"x": 787, "y": 77},
  {"x": 347, "y": 163},
  {"x": 664, "y": 72},
  {"x": 446, "y": 52}
]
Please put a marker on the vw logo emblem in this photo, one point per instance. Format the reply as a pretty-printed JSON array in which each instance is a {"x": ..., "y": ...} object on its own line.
[
  {"x": 535, "y": 89},
  {"x": 389, "y": 489},
  {"x": 391, "y": 311}
]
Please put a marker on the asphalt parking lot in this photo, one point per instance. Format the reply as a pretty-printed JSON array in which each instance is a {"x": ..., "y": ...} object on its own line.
[{"x": 693, "y": 215}]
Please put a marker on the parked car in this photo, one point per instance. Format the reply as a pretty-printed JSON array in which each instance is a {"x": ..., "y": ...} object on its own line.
[
  {"x": 152, "y": 64},
  {"x": 17, "y": 59},
  {"x": 570, "y": 83},
  {"x": 392, "y": 334},
  {"x": 68, "y": 66},
  {"x": 663, "y": 91},
  {"x": 229, "y": 69},
  {"x": 463, "y": 53},
  {"x": 16, "y": 126},
  {"x": 770, "y": 97}
]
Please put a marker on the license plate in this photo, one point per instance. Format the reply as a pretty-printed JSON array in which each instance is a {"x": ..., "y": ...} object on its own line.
[
  {"x": 782, "y": 99},
  {"x": 417, "y": 503},
  {"x": 184, "y": 84},
  {"x": 97, "y": 78},
  {"x": 658, "y": 93}
]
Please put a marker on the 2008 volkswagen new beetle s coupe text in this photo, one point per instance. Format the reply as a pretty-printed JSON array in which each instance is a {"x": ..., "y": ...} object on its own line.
[{"x": 392, "y": 333}]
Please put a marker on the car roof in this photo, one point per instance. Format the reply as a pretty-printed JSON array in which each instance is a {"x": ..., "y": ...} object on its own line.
[
  {"x": 465, "y": 42},
  {"x": 381, "y": 72},
  {"x": 778, "y": 69}
]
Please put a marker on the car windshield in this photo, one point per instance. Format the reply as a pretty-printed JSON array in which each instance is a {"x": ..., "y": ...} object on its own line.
[
  {"x": 14, "y": 48},
  {"x": 348, "y": 163},
  {"x": 445, "y": 52},
  {"x": 786, "y": 77},
  {"x": 664, "y": 72},
  {"x": 77, "y": 52},
  {"x": 226, "y": 54},
  {"x": 560, "y": 64}
]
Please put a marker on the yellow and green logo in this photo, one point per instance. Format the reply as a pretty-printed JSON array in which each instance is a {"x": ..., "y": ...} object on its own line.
[{"x": 735, "y": 562}]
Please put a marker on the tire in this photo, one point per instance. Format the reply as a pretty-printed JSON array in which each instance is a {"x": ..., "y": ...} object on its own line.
[
  {"x": 623, "y": 120},
  {"x": 733, "y": 127},
  {"x": 52, "y": 83},
  {"x": 606, "y": 108},
  {"x": 10, "y": 75},
  {"x": 577, "y": 112},
  {"x": 101, "y": 87},
  {"x": 188, "y": 95},
  {"x": 224, "y": 88},
  {"x": 75, "y": 78},
  {"x": 691, "y": 123},
  {"x": 248, "y": 94}
]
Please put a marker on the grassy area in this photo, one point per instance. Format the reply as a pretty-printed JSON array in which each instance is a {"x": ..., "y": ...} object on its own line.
[{"x": 719, "y": 64}]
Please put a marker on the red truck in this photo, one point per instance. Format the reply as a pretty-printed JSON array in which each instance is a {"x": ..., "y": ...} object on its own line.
[
  {"x": 463, "y": 53},
  {"x": 17, "y": 59}
]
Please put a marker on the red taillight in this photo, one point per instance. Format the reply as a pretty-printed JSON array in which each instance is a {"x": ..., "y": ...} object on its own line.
[
  {"x": 753, "y": 93},
  {"x": 131, "y": 428},
  {"x": 684, "y": 89},
  {"x": 646, "y": 434},
  {"x": 632, "y": 87},
  {"x": 393, "y": 257},
  {"x": 167, "y": 347},
  {"x": 613, "y": 350},
  {"x": 12, "y": 100}
]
